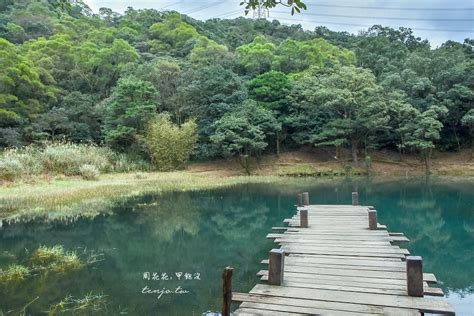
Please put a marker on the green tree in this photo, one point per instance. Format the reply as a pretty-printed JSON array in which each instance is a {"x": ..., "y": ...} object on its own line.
[
  {"x": 468, "y": 120},
  {"x": 207, "y": 94},
  {"x": 243, "y": 133},
  {"x": 425, "y": 132},
  {"x": 169, "y": 145},
  {"x": 172, "y": 33},
  {"x": 270, "y": 90},
  {"x": 24, "y": 88},
  {"x": 207, "y": 52},
  {"x": 128, "y": 109},
  {"x": 256, "y": 57},
  {"x": 351, "y": 98}
]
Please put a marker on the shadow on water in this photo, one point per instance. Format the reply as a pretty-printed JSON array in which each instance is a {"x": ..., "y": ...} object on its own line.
[{"x": 199, "y": 233}]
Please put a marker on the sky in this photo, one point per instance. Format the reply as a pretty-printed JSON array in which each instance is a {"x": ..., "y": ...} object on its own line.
[{"x": 435, "y": 20}]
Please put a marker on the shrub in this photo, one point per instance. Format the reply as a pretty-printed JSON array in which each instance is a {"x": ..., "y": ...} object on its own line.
[
  {"x": 169, "y": 145},
  {"x": 15, "y": 272},
  {"x": 10, "y": 169},
  {"x": 67, "y": 158},
  {"x": 89, "y": 172},
  {"x": 55, "y": 258}
]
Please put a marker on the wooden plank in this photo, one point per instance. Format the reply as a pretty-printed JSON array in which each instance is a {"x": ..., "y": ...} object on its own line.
[
  {"x": 396, "y": 261},
  {"x": 423, "y": 304},
  {"x": 343, "y": 243},
  {"x": 343, "y": 278},
  {"x": 340, "y": 265},
  {"x": 339, "y": 252},
  {"x": 316, "y": 305},
  {"x": 430, "y": 278},
  {"x": 357, "y": 282},
  {"x": 347, "y": 248},
  {"x": 245, "y": 310},
  {"x": 352, "y": 243},
  {"x": 291, "y": 310},
  {"x": 346, "y": 288},
  {"x": 348, "y": 272},
  {"x": 399, "y": 239},
  {"x": 427, "y": 277}
]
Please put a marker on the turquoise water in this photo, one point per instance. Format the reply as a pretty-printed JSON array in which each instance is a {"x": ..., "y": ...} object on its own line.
[{"x": 198, "y": 234}]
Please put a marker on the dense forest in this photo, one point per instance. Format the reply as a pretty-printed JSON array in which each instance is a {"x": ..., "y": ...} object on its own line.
[{"x": 157, "y": 85}]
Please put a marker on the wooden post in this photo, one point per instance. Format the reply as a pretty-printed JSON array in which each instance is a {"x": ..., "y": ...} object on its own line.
[
  {"x": 305, "y": 198},
  {"x": 372, "y": 219},
  {"x": 414, "y": 276},
  {"x": 299, "y": 199},
  {"x": 276, "y": 267},
  {"x": 304, "y": 218},
  {"x": 227, "y": 290},
  {"x": 355, "y": 198}
]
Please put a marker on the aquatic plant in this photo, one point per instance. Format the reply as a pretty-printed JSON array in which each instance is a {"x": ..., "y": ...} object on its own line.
[
  {"x": 89, "y": 304},
  {"x": 15, "y": 272},
  {"x": 55, "y": 258}
]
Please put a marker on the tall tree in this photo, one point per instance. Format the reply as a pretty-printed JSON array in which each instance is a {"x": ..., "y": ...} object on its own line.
[
  {"x": 128, "y": 110},
  {"x": 355, "y": 108}
]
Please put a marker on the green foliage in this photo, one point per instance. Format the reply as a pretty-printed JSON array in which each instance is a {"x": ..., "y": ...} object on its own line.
[
  {"x": 172, "y": 33},
  {"x": 129, "y": 108},
  {"x": 243, "y": 133},
  {"x": 15, "y": 272},
  {"x": 54, "y": 158},
  {"x": 55, "y": 258},
  {"x": 170, "y": 146},
  {"x": 256, "y": 57},
  {"x": 68, "y": 74},
  {"x": 350, "y": 99}
]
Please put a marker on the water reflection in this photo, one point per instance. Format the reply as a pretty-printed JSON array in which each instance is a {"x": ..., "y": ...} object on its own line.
[{"x": 202, "y": 232}]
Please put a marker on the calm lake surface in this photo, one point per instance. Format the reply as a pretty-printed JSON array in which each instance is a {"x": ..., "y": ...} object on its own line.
[{"x": 197, "y": 234}]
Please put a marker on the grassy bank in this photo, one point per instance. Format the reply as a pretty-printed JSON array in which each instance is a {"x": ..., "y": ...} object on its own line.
[
  {"x": 68, "y": 199},
  {"x": 61, "y": 196}
]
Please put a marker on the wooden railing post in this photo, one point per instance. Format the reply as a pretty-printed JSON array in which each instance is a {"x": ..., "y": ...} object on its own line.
[
  {"x": 372, "y": 219},
  {"x": 414, "y": 276},
  {"x": 355, "y": 198},
  {"x": 304, "y": 218},
  {"x": 305, "y": 198},
  {"x": 299, "y": 199},
  {"x": 227, "y": 290},
  {"x": 276, "y": 266}
]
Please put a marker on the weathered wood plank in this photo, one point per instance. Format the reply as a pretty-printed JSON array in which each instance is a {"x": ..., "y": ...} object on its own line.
[
  {"x": 423, "y": 304},
  {"x": 345, "y": 258},
  {"x": 342, "y": 252},
  {"x": 316, "y": 305},
  {"x": 290, "y": 310},
  {"x": 342, "y": 265}
]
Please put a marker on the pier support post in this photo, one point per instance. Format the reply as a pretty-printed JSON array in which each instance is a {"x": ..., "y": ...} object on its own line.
[
  {"x": 414, "y": 276},
  {"x": 276, "y": 267},
  {"x": 227, "y": 290},
  {"x": 305, "y": 198},
  {"x": 299, "y": 199},
  {"x": 355, "y": 198},
  {"x": 304, "y": 218},
  {"x": 372, "y": 219}
]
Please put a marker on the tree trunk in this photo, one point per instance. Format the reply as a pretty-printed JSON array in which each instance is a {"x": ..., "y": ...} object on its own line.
[
  {"x": 427, "y": 159},
  {"x": 457, "y": 140},
  {"x": 278, "y": 144},
  {"x": 354, "y": 153},
  {"x": 245, "y": 163}
]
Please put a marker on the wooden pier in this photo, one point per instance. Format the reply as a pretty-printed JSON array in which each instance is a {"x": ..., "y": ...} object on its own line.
[{"x": 338, "y": 260}]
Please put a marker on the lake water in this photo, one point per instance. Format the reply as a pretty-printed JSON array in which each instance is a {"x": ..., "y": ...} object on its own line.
[{"x": 195, "y": 235}]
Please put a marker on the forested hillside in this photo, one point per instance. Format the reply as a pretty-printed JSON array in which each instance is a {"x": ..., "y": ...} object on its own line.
[{"x": 245, "y": 87}]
